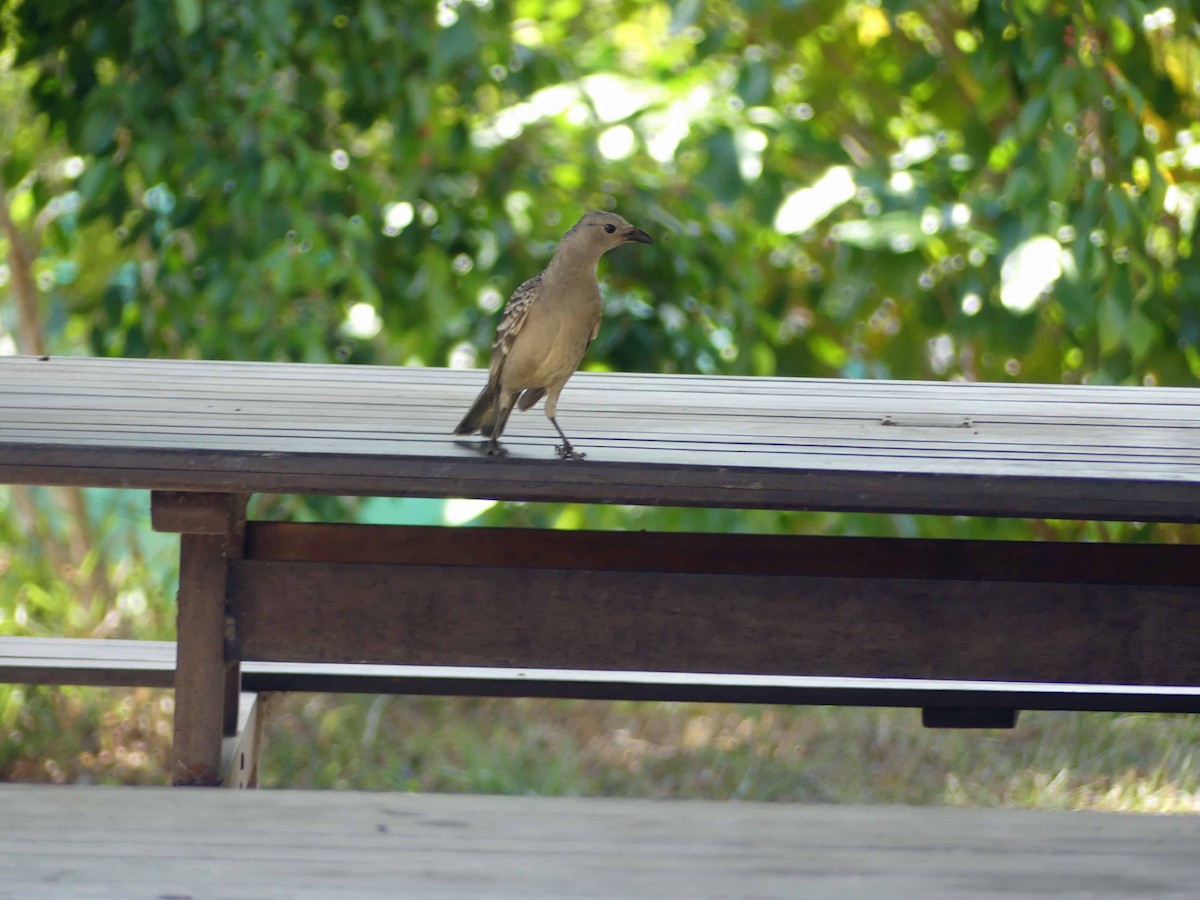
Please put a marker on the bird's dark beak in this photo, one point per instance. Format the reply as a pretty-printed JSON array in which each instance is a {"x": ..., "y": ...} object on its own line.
[{"x": 636, "y": 234}]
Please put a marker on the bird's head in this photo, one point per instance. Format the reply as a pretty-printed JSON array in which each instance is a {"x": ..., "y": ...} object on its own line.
[{"x": 602, "y": 231}]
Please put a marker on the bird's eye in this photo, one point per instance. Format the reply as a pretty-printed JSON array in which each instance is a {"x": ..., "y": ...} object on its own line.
[{"x": 610, "y": 228}]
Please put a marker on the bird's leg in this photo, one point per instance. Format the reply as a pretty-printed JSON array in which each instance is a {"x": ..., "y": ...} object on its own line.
[
  {"x": 565, "y": 450},
  {"x": 493, "y": 447}
]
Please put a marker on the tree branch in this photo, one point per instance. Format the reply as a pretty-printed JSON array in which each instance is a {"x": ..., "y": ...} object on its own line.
[{"x": 20, "y": 263}]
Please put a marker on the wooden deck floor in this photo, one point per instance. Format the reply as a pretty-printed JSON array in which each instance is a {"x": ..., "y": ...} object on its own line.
[{"x": 78, "y": 842}]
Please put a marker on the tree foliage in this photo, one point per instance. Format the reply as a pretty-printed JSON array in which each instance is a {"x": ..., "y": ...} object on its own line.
[{"x": 913, "y": 189}]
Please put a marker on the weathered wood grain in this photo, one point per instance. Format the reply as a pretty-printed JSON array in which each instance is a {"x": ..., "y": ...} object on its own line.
[
  {"x": 181, "y": 512},
  {"x": 582, "y": 618},
  {"x": 207, "y": 679},
  {"x": 78, "y": 842},
  {"x": 730, "y": 554},
  {"x": 200, "y": 670},
  {"x": 1030, "y": 450}
]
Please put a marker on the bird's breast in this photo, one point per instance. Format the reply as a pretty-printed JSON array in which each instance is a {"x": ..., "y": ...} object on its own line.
[{"x": 553, "y": 341}]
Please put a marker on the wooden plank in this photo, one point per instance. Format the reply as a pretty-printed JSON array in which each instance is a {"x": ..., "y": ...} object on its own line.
[
  {"x": 235, "y": 548},
  {"x": 223, "y": 515},
  {"x": 594, "y": 404},
  {"x": 1132, "y": 462},
  {"x": 240, "y": 751},
  {"x": 1010, "y": 491},
  {"x": 1142, "y": 450},
  {"x": 795, "y": 434},
  {"x": 183, "y": 512},
  {"x": 796, "y": 690},
  {"x": 93, "y": 663},
  {"x": 726, "y": 398},
  {"x": 109, "y": 663},
  {"x": 206, "y": 677},
  {"x": 200, "y": 668},
  {"x": 1047, "y": 450},
  {"x": 614, "y": 413},
  {"x": 465, "y": 615},
  {"x": 84, "y": 842},
  {"x": 730, "y": 554},
  {"x": 928, "y": 409},
  {"x": 625, "y": 390},
  {"x": 149, "y": 374}
]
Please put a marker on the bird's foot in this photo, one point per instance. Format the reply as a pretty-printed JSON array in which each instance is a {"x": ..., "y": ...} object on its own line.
[
  {"x": 566, "y": 451},
  {"x": 494, "y": 449}
]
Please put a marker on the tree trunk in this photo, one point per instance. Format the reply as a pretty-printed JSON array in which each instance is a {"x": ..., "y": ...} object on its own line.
[
  {"x": 31, "y": 341},
  {"x": 20, "y": 262}
]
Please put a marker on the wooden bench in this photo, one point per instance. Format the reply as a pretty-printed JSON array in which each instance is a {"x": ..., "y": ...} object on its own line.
[{"x": 969, "y": 631}]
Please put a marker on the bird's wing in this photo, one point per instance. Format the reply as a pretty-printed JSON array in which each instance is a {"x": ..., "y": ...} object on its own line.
[{"x": 516, "y": 311}]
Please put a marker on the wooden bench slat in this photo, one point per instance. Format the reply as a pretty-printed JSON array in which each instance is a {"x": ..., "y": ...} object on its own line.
[
  {"x": 524, "y": 478},
  {"x": 112, "y": 663},
  {"x": 922, "y": 411},
  {"x": 1091, "y": 445},
  {"x": 220, "y": 375},
  {"x": 1050, "y": 451}
]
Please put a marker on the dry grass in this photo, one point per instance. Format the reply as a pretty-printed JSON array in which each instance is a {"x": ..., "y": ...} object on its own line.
[
  {"x": 661, "y": 750},
  {"x": 658, "y": 750}
]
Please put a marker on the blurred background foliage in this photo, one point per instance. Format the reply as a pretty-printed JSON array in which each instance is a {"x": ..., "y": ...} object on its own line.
[{"x": 881, "y": 189}]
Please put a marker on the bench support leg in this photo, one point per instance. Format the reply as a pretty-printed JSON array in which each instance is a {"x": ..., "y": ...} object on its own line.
[
  {"x": 212, "y": 528},
  {"x": 200, "y": 664}
]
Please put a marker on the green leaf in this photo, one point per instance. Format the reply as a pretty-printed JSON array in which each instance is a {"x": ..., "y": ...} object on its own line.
[
  {"x": 99, "y": 129},
  {"x": 188, "y": 13},
  {"x": 455, "y": 45},
  {"x": 1142, "y": 333},
  {"x": 722, "y": 175},
  {"x": 1033, "y": 116},
  {"x": 1121, "y": 34},
  {"x": 1129, "y": 133},
  {"x": 754, "y": 83}
]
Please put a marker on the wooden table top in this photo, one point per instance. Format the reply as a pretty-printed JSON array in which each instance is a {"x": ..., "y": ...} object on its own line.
[
  {"x": 86, "y": 842},
  {"x": 1128, "y": 453}
]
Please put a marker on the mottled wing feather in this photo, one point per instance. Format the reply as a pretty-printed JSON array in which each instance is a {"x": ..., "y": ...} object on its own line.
[{"x": 516, "y": 311}]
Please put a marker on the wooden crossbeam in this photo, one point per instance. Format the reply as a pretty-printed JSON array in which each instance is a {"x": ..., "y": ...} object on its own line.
[{"x": 694, "y": 603}]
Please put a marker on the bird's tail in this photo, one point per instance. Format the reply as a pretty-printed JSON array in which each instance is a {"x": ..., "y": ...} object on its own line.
[
  {"x": 486, "y": 415},
  {"x": 480, "y": 417}
]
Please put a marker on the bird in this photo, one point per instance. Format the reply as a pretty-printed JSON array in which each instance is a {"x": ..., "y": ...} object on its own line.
[{"x": 545, "y": 329}]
